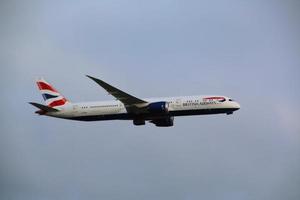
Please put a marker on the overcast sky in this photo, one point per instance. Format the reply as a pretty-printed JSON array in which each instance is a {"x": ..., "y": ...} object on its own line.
[{"x": 248, "y": 50}]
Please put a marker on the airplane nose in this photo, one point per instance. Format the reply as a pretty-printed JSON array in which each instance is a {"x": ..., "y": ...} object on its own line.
[{"x": 237, "y": 106}]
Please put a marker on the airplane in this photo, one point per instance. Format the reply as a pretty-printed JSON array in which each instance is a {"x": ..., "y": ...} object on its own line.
[{"x": 159, "y": 111}]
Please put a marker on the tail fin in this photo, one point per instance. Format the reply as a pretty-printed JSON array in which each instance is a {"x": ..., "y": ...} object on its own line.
[{"x": 51, "y": 96}]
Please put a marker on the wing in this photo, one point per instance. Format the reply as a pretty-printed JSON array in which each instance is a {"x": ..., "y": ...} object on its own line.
[{"x": 125, "y": 98}]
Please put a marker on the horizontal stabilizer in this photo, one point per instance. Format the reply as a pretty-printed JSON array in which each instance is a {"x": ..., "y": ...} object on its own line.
[{"x": 43, "y": 107}]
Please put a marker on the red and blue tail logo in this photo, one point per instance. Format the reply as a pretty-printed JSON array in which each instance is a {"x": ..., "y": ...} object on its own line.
[{"x": 51, "y": 96}]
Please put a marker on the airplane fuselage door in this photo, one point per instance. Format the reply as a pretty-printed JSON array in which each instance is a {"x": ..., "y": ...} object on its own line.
[
  {"x": 75, "y": 109},
  {"x": 178, "y": 104}
]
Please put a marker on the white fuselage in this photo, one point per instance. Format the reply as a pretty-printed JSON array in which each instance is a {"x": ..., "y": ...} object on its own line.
[{"x": 177, "y": 106}]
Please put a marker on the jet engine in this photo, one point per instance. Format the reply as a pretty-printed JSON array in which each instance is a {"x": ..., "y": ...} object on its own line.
[
  {"x": 139, "y": 122},
  {"x": 164, "y": 122},
  {"x": 158, "y": 107}
]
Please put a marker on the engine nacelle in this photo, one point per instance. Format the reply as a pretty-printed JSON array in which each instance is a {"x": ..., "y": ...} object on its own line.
[
  {"x": 158, "y": 107},
  {"x": 139, "y": 122},
  {"x": 166, "y": 122}
]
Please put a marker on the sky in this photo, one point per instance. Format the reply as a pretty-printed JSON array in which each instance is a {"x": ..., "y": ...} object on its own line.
[{"x": 247, "y": 50}]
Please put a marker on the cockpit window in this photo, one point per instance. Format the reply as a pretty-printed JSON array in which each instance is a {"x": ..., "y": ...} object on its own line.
[
  {"x": 230, "y": 99},
  {"x": 214, "y": 98}
]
